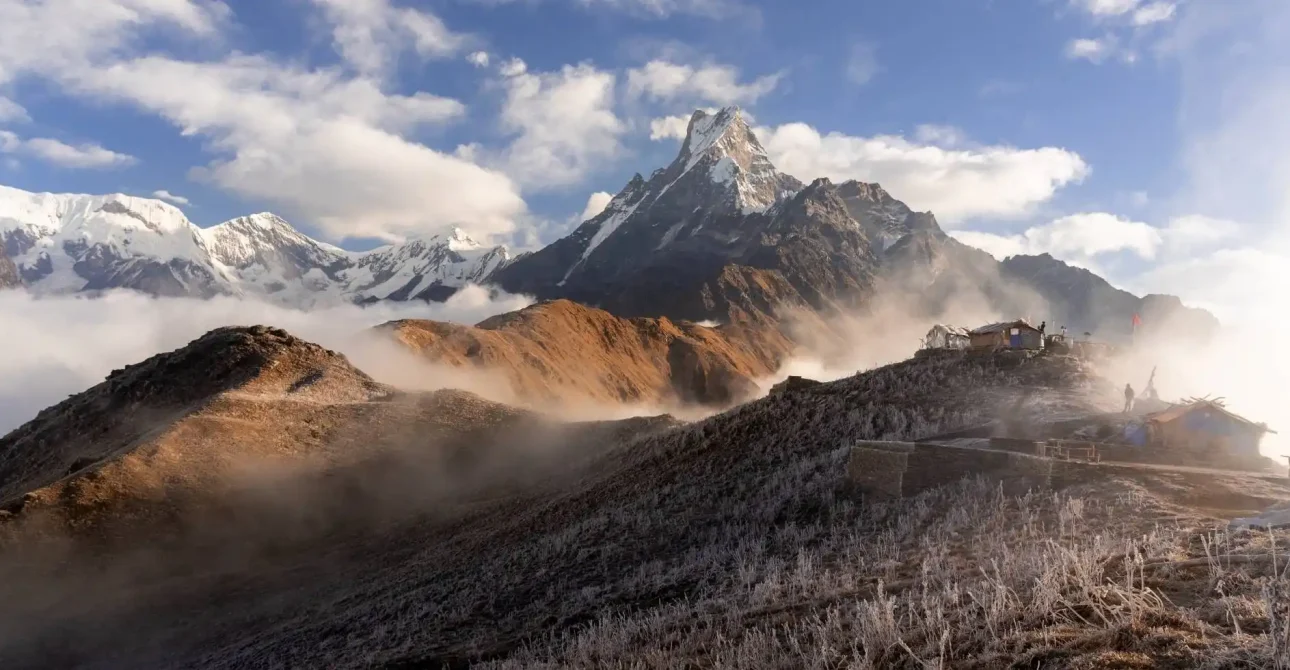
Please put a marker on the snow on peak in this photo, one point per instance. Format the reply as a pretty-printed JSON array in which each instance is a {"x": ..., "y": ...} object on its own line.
[
  {"x": 458, "y": 240},
  {"x": 726, "y": 149},
  {"x": 724, "y": 131},
  {"x": 50, "y": 235}
]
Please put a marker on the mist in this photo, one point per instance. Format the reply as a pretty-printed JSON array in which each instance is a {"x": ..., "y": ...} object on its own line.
[{"x": 55, "y": 347}]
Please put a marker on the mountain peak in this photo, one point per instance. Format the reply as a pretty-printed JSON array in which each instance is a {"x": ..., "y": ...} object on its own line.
[{"x": 724, "y": 132}]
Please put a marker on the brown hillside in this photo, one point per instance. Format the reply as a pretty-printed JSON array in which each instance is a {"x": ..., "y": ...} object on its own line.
[
  {"x": 561, "y": 351},
  {"x": 179, "y": 424}
]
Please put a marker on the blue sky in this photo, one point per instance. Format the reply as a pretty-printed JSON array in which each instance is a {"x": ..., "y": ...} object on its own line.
[{"x": 1112, "y": 133}]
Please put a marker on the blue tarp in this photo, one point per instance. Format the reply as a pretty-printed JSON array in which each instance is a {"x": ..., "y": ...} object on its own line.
[{"x": 1136, "y": 434}]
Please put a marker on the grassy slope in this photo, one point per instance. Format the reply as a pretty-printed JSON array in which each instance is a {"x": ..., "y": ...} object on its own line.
[{"x": 726, "y": 543}]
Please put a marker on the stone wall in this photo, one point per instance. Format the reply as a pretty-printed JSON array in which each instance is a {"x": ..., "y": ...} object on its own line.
[
  {"x": 877, "y": 473},
  {"x": 894, "y": 469}
]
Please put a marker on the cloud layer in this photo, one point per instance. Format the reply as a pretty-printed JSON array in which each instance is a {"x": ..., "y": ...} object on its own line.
[
  {"x": 64, "y": 345},
  {"x": 956, "y": 182},
  {"x": 56, "y": 152}
]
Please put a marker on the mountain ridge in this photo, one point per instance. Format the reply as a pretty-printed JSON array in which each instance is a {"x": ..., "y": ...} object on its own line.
[
  {"x": 717, "y": 234},
  {"x": 67, "y": 243}
]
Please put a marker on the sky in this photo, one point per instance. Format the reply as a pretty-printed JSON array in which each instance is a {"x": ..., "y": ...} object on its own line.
[{"x": 1143, "y": 139}]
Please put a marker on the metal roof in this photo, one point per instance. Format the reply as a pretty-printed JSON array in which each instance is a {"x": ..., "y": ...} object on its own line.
[
  {"x": 1006, "y": 325},
  {"x": 1179, "y": 411}
]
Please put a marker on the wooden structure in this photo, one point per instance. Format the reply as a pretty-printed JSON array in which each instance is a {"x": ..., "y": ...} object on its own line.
[
  {"x": 1205, "y": 427},
  {"x": 1069, "y": 450},
  {"x": 1008, "y": 335},
  {"x": 947, "y": 337}
]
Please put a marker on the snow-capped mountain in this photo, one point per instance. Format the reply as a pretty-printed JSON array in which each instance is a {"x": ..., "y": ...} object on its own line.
[
  {"x": 720, "y": 205},
  {"x": 64, "y": 243}
]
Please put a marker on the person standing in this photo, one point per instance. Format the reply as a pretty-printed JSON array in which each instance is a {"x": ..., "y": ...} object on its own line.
[{"x": 1128, "y": 398}]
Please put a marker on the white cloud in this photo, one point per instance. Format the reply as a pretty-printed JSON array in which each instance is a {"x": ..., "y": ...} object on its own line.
[
  {"x": 669, "y": 128},
  {"x": 513, "y": 68},
  {"x": 326, "y": 148},
  {"x": 479, "y": 58},
  {"x": 862, "y": 64},
  {"x": 1106, "y": 7},
  {"x": 564, "y": 122},
  {"x": 665, "y": 8},
  {"x": 999, "y": 246},
  {"x": 595, "y": 205},
  {"x": 1078, "y": 237},
  {"x": 58, "y": 35},
  {"x": 171, "y": 197},
  {"x": 1138, "y": 12},
  {"x": 1082, "y": 237},
  {"x": 1155, "y": 12},
  {"x": 369, "y": 34},
  {"x": 324, "y": 145},
  {"x": 1091, "y": 50},
  {"x": 11, "y": 111},
  {"x": 1193, "y": 233},
  {"x": 716, "y": 84},
  {"x": 942, "y": 136},
  {"x": 956, "y": 184},
  {"x": 59, "y": 153}
]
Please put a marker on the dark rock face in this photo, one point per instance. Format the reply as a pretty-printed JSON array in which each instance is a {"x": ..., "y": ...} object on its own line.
[
  {"x": 1085, "y": 302},
  {"x": 9, "y": 276}
]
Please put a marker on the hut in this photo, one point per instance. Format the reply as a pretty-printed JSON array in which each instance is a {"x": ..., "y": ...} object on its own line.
[
  {"x": 1008, "y": 335},
  {"x": 947, "y": 337},
  {"x": 1206, "y": 427}
]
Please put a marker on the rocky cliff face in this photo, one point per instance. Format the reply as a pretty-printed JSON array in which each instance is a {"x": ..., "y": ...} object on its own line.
[
  {"x": 1085, "y": 302},
  {"x": 9, "y": 277}
]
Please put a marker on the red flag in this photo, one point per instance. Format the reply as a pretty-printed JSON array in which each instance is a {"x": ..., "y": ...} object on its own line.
[{"x": 1137, "y": 320}]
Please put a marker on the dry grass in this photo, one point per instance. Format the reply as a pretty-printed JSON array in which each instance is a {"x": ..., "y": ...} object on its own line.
[{"x": 562, "y": 350}]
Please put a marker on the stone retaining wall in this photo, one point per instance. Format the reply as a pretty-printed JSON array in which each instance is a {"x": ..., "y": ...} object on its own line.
[{"x": 895, "y": 469}]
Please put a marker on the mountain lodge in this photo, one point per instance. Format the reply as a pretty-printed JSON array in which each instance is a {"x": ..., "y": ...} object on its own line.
[
  {"x": 1007, "y": 335},
  {"x": 1207, "y": 427}
]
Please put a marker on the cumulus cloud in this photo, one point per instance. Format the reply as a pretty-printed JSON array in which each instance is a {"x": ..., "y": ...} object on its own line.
[
  {"x": 1081, "y": 237},
  {"x": 11, "y": 111},
  {"x": 1155, "y": 12},
  {"x": 955, "y": 183},
  {"x": 862, "y": 64},
  {"x": 69, "y": 344},
  {"x": 82, "y": 156},
  {"x": 1138, "y": 12},
  {"x": 1091, "y": 50},
  {"x": 171, "y": 197},
  {"x": 564, "y": 123},
  {"x": 717, "y": 84},
  {"x": 595, "y": 205},
  {"x": 479, "y": 58},
  {"x": 1074, "y": 237},
  {"x": 369, "y": 34},
  {"x": 715, "y": 9},
  {"x": 321, "y": 144},
  {"x": 669, "y": 128}
]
